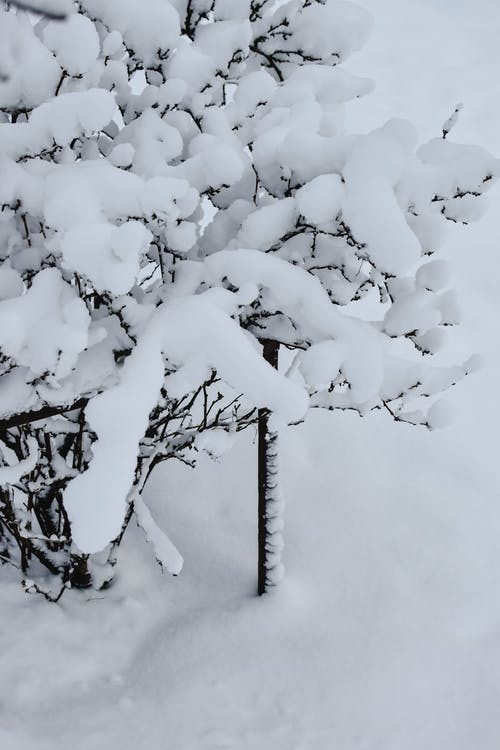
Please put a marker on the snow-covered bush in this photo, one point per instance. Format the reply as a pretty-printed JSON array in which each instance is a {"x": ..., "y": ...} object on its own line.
[{"x": 178, "y": 197}]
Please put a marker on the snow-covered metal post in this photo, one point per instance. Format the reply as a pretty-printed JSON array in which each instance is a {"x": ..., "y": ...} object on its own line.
[{"x": 270, "y": 540}]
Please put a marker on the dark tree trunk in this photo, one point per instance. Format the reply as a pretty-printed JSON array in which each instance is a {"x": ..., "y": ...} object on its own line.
[
  {"x": 81, "y": 577},
  {"x": 270, "y": 504}
]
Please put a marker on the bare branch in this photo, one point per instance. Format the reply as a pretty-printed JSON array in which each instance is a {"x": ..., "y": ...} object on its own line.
[{"x": 27, "y": 417}]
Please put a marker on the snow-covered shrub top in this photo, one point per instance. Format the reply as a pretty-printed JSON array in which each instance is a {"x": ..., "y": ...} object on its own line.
[{"x": 176, "y": 185}]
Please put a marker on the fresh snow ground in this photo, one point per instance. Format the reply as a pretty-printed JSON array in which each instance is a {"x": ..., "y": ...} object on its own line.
[{"x": 386, "y": 633}]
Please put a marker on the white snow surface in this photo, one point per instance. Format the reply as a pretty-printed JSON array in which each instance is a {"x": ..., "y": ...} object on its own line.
[{"x": 384, "y": 635}]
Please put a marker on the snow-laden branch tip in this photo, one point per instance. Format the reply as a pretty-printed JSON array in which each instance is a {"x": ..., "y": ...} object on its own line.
[
  {"x": 452, "y": 120},
  {"x": 165, "y": 551}
]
